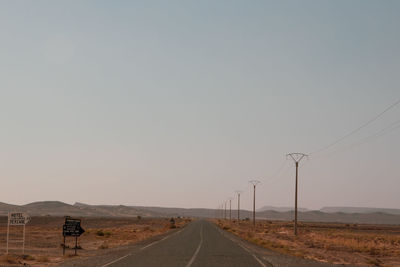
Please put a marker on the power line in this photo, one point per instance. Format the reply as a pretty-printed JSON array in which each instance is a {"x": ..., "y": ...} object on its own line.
[
  {"x": 358, "y": 128},
  {"x": 390, "y": 128},
  {"x": 277, "y": 173},
  {"x": 283, "y": 174}
]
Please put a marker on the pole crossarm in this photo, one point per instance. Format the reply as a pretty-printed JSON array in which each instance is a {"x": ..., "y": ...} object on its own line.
[
  {"x": 297, "y": 157},
  {"x": 254, "y": 182}
]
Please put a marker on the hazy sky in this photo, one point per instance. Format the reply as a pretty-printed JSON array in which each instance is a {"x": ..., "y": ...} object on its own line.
[{"x": 180, "y": 103}]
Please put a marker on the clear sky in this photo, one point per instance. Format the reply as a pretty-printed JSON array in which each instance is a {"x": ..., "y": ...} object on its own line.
[{"x": 180, "y": 103}]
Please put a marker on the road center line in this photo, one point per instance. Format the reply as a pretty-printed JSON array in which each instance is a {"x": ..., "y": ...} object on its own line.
[
  {"x": 149, "y": 245},
  {"x": 198, "y": 248}
]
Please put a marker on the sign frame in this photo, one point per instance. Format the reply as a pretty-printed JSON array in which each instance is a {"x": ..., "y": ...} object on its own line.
[
  {"x": 72, "y": 227},
  {"x": 17, "y": 219}
]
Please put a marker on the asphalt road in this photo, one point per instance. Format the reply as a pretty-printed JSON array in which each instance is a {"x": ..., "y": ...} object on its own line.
[{"x": 200, "y": 243}]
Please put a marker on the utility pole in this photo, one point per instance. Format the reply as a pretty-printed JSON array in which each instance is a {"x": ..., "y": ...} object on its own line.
[
  {"x": 238, "y": 211},
  {"x": 254, "y": 183},
  {"x": 230, "y": 209},
  {"x": 225, "y": 211},
  {"x": 297, "y": 157}
]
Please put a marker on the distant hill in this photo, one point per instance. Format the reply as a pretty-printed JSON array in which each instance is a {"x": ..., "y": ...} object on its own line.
[
  {"x": 339, "y": 217},
  {"x": 57, "y": 208},
  {"x": 360, "y": 210},
  {"x": 54, "y": 208},
  {"x": 280, "y": 209},
  {"x": 5, "y": 208}
]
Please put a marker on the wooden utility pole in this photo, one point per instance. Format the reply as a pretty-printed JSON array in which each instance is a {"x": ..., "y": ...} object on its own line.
[
  {"x": 238, "y": 211},
  {"x": 230, "y": 209},
  {"x": 225, "y": 211},
  {"x": 254, "y": 183},
  {"x": 297, "y": 157}
]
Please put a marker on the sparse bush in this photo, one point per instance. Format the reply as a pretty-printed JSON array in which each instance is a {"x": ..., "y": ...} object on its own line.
[
  {"x": 375, "y": 262},
  {"x": 250, "y": 234},
  {"x": 43, "y": 258},
  {"x": 103, "y": 246},
  {"x": 28, "y": 257},
  {"x": 10, "y": 259},
  {"x": 103, "y": 233},
  {"x": 100, "y": 233}
]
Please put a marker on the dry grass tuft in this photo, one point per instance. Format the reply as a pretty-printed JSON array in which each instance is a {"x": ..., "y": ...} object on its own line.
[
  {"x": 335, "y": 243},
  {"x": 103, "y": 246},
  {"x": 44, "y": 236},
  {"x": 43, "y": 258},
  {"x": 9, "y": 258}
]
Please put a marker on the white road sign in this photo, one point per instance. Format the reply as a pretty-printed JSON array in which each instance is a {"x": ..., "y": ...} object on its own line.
[{"x": 18, "y": 218}]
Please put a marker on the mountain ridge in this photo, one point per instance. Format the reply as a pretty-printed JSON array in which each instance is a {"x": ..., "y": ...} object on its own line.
[{"x": 58, "y": 208}]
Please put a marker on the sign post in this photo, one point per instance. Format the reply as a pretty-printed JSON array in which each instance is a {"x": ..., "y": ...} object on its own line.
[
  {"x": 72, "y": 227},
  {"x": 17, "y": 218}
]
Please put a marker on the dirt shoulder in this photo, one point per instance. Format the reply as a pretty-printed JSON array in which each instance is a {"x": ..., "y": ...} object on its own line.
[
  {"x": 44, "y": 240},
  {"x": 364, "y": 245}
]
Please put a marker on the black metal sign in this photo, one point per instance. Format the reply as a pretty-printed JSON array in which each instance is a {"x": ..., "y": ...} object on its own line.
[{"x": 72, "y": 227}]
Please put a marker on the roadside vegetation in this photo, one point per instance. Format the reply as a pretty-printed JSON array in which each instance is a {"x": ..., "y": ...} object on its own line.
[
  {"x": 44, "y": 240},
  {"x": 368, "y": 245}
]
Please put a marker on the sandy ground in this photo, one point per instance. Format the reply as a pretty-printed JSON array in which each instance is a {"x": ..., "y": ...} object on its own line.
[
  {"x": 43, "y": 245},
  {"x": 365, "y": 245}
]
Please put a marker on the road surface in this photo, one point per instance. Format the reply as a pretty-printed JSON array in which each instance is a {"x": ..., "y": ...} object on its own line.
[{"x": 200, "y": 243}]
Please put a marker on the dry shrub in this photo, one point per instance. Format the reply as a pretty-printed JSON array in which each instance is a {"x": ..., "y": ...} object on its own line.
[
  {"x": 100, "y": 233},
  {"x": 43, "y": 258},
  {"x": 328, "y": 242},
  {"x": 9, "y": 258},
  {"x": 28, "y": 257},
  {"x": 375, "y": 262},
  {"x": 103, "y": 246},
  {"x": 250, "y": 234},
  {"x": 103, "y": 233}
]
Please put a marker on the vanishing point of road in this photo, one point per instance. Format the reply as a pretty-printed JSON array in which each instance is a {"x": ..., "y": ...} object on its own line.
[{"x": 200, "y": 243}]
